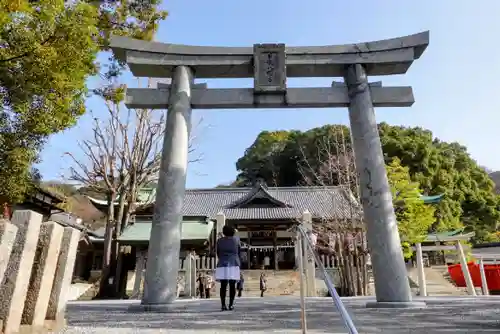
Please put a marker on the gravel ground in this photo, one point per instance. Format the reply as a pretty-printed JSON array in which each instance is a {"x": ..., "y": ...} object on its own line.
[{"x": 281, "y": 315}]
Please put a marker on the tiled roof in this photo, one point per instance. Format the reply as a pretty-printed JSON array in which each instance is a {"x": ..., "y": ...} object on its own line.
[
  {"x": 263, "y": 213},
  {"x": 260, "y": 191},
  {"x": 321, "y": 202}
]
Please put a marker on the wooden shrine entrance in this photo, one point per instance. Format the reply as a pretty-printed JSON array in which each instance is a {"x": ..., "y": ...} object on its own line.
[{"x": 267, "y": 246}]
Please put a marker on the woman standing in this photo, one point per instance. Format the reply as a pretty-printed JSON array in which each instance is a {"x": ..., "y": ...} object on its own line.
[{"x": 228, "y": 265}]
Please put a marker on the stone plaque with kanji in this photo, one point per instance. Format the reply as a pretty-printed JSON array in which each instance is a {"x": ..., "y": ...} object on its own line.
[{"x": 269, "y": 68}]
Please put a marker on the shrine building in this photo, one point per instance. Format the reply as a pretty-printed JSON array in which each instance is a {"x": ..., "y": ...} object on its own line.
[{"x": 263, "y": 216}]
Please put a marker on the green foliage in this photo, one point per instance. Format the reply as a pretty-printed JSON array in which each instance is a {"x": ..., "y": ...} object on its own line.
[
  {"x": 445, "y": 168},
  {"x": 48, "y": 50},
  {"x": 437, "y": 167},
  {"x": 491, "y": 237},
  {"x": 413, "y": 216},
  {"x": 495, "y": 177},
  {"x": 60, "y": 188}
]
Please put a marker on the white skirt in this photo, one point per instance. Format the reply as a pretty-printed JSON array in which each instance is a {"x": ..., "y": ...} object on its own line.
[{"x": 227, "y": 273}]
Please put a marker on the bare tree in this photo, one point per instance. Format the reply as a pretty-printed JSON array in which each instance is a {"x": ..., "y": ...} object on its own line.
[
  {"x": 122, "y": 156},
  {"x": 343, "y": 240}
]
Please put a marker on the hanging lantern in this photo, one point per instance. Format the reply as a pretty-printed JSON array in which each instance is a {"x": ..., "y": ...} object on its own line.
[
  {"x": 332, "y": 241},
  {"x": 349, "y": 241},
  {"x": 314, "y": 239}
]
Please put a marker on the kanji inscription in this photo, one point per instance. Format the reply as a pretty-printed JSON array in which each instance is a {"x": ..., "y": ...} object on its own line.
[{"x": 269, "y": 68}]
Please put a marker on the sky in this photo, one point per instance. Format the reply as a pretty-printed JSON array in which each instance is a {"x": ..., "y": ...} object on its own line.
[{"x": 455, "y": 82}]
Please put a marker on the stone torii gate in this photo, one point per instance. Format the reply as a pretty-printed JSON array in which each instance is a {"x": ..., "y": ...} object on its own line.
[{"x": 270, "y": 65}]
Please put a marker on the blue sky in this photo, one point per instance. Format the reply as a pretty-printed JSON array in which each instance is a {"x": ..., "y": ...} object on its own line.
[{"x": 456, "y": 82}]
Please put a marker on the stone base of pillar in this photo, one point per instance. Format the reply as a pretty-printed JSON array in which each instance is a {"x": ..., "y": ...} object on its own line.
[{"x": 412, "y": 304}]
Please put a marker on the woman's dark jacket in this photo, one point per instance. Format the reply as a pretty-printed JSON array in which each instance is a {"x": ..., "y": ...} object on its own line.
[{"x": 228, "y": 252}]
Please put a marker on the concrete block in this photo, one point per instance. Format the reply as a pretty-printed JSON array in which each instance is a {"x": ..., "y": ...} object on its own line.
[
  {"x": 42, "y": 275},
  {"x": 17, "y": 275},
  {"x": 8, "y": 233},
  {"x": 64, "y": 273}
]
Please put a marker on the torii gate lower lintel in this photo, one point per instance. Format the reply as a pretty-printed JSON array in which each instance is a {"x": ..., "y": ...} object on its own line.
[{"x": 270, "y": 65}]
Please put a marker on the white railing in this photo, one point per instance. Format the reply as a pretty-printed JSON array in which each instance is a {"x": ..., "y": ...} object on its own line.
[
  {"x": 205, "y": 263},
  {"x": 481, "y": 260},
  {"x": 202, "y": 263},
  {"x": 307, "y": 248},
  {"x": 329, "y": 261},
  {"x": 209, "y": 263}
]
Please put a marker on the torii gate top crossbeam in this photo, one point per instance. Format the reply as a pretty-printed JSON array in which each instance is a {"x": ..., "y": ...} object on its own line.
[{"x": 154, "y": 59}]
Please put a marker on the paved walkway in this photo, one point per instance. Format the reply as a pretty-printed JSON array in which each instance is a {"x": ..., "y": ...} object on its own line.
[
  {"x": 436, "y": 283},
  {"x": 281, "y": 315}
]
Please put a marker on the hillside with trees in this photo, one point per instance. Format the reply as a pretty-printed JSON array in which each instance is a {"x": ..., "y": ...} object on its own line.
[
  {"x": 437, "y": 167},
  {"x": 77, "y": 203},
  {"x": 495, "y": 177}
]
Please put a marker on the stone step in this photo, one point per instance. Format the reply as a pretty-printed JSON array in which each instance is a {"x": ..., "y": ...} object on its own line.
[{"x": 437, "y": 282}]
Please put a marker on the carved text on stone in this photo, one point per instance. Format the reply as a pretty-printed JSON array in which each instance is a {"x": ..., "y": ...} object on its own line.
[{"x": 269, "y": 68}]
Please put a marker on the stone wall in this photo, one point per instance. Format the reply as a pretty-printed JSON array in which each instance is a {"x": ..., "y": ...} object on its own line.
[{"x": 36, "y": 266}]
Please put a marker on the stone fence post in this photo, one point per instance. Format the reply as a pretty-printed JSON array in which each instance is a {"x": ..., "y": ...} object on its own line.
[{"x": 36, "y": 267}]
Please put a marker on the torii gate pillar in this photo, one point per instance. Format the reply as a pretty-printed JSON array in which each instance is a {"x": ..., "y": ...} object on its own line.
[
  {"x": 160, "y": 283},
  {"x": 391, "y": 278}
]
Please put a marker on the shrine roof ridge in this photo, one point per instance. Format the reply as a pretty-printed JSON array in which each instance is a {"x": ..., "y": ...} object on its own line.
[
  {"x": 383, "y": 57},
  {"x": 323, "y": 202}
]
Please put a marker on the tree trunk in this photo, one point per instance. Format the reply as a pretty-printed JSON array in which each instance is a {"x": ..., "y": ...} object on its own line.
[
  {"x": 131, "y": 198},
  {"x": 344, "y": 278},
  {"x": 352, "y": 272},
  {"x": 121, "y": 274},
  {"x": 115, "y": 270},
  {"x": 356, "y": 255},
  {"x": 365, "y": 274},
  {"x": 105, "y": 290}
]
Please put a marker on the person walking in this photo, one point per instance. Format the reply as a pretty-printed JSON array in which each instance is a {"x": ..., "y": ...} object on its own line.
[
  {"x": 228, "y": 265},
  {"x": 239, "y": 286},
  {"x": 209, "y": 285},
  {"x": 263, "y": 284},
  {"x": 267, "y": 262},
  {"x": 201, "y": 284}
]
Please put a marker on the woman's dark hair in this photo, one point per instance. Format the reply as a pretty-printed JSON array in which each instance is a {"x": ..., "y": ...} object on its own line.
[{"x": 228, "y": 231}]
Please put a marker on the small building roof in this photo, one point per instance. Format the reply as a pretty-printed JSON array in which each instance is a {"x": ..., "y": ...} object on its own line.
[
  {"x": 454, "y": 235},
  {"x": 432, "y": 199},
  {"x": 191, "y": 230}
]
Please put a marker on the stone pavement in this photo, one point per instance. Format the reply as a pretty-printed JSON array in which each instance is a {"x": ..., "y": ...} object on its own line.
[{"x": 281, "y": 315}]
